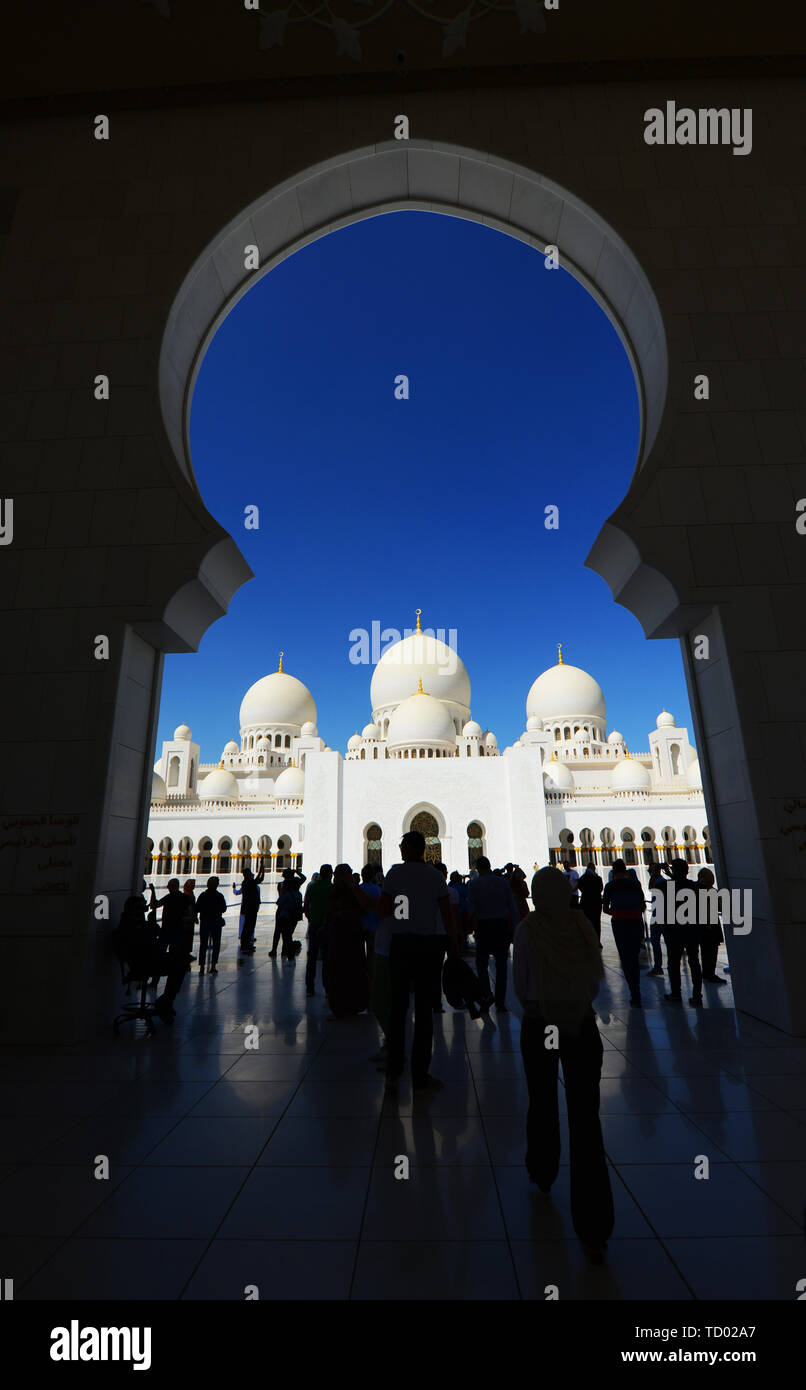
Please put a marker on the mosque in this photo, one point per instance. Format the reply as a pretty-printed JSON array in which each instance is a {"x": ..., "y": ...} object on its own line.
[{"x": 279, "y": 796}]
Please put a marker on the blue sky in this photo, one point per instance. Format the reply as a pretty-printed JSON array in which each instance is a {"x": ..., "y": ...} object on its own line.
[{"x": 521, "y": 396}]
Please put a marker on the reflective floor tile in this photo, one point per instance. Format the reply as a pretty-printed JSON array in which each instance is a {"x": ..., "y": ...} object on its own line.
[
  {"x": 631, "y": 1096},
  {"x": 768, "y": 1134},
  {"x": 299, "y": 1270},
  {"x": 507, "y": 1096},
  {"x": 166, "y": 1203},
  {"x": 23, "y": 1136},
  {"x": 497, "y": 1066},
  {"x": 270, "y": 1066},
  {"x": 306, "y": 1204},
  {"x": 454, "y": 1203},
  {"x": 748, "y": 1267},
  {"x": 634, "y": 1269},
  {"x": 665, "y": 1061},
  {"x": 125, "y": 1139},
  {"x": 787, "y": 1091},
  {"x": 155, "y": 1097},
  {"x": 651, "y": 1138},
  {"x": 216, "y": 1141},
  {"x": 245, "y": 1099},
  {"x": 22, "y": 1256},
  {"x": 435, "y": 1270},
  {"x": 694, "y": 1094},
  {"x": 726, "y": 1203},
  {"x": 338, "y": 1098},
  {"x": 774, "y": 1061},
  {"x": 785, "y": 1183},
  {"x": 55, "y": 1097},
  {"x": 506, "y": 1137},
  {"x": 531, "y": 1216},
  {"x": 453, "y": 1098},
  {"x": 429, "y": 1140},
  {"x": 321, "y": 1141},
  {"x": 45, "y": 1201},
  {"x": 101, "y": 1269},
  {"x": 184, "y": 1067}
]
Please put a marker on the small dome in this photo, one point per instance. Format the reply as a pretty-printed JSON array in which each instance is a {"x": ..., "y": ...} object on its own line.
[
  {"x": 278, "y": 699},
  {"x": 565, "y": 692},
  {"x": 533, "y": 725},
  {"x": 230, "y": 747},
  {"x": 694, "y": 776},
  {"x": 308, "y": 729},
  {"x": 183, "y": 733},
  {"x": 290, "y": 785},
  {"x": 354, "y": 743},
  {"x": 219, "y": 786},
  {"x": 158, "y": 789},
  {"x": 263, "y": 743},
  {"x": 665, "y": 720},
  {"x": 490, "y": 741},
  {"x": 558, "y": 776},
  {"x": 616, "y": 740},
  {"x": 630, "y": 776},
  {"x": 420, "y": 719},
  {"x": 371, "y": 731},
  {"x": 472, "y": 729}
]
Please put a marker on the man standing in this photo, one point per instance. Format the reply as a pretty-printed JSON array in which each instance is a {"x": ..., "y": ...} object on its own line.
[
  {"x": 623, "y": 901},
  {"x": 590, "y": 899},
  {"x": 572, "y": 876},
  {"x": 176, "y": 938},
  {"x": 315, "y": 908},
  {"x": 210, "y": 906},
  {"x": 414, "y": 897},
  {"x": 250, "y": 906},
  {"x": 493, "y": 918}
]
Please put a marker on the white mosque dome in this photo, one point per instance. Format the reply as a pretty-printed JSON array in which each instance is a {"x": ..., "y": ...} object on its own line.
[
  {"x": 630, "y": 776},
  {"x": 565, "y": 692},
  {"x": 472, "y": 729},
  {"x": 183, "y": 733},
  {"x": 371, "y": 731},
  {"x": 219, "y": 786},
  {"x": 354, "y": 742},
  {"x": 420, "y": 719},
  {"x": 665, "y": 720},
  {"x": 159, "y": 791},
  {"x": 278, "y": 699},
  {"x": 490, "y": 741},
  {"x": 559, "y": 776},
  {"x": 419, "y": 656},
  {"x": 290, "y": 785},
  {"x": 533, "y": 724},
  {"x": 616, "y": 740},
  {"x": 694, "y": 775},
  {"x": 308, "y": 729},
  {"x": 230, "y": 747},
  {"x": 262, "y": 744}
]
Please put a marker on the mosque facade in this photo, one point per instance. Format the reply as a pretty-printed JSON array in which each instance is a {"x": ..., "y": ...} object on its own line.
[{"x": 279, "y": 796}]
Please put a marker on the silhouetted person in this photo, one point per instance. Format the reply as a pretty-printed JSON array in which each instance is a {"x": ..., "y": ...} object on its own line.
[
  {"x": 623, "y": 901},
  {"x": 314, "y": 907},
  {"x": 557, "y": 971},
  {"x": 370, "y": 889},
  {"x": 347, "y": 976},
  {"x": 681, "y": 935},
  {"x": 520, "y": 890},
  {"x": 189, "y": 889},
  {"x": 250, "y": 906},
  {"x": 572, "y": 877},
  {"x": 289, "y": 912},
  {"x": 413, "y": 893},
  {"x": 656, "y": 880},
  {"x": 494, "y": 917},
  {"x": 709, "y": 932},
  {"x": 176, "y": 935},
  {"x": 590, "y": 898},
  {"x": 211, "y": 906},
  {"x": 453, "y": 899}
]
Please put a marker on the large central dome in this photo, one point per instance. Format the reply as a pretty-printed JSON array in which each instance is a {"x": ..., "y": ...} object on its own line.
[
  {"x": 277, "y": 699},
  {"x": 565, "y": 692},
  {"x": 419, "y": 657}
]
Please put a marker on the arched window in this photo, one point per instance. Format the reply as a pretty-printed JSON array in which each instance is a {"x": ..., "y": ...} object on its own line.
[
  {"x": 225, "y": 856},
  {"x": 475, "y": 842},
  {"x": 427, "y": 826},
  {"x": 669, "y": 837},
  {"x": 706, "y": 836},
  {"x": 284, "y": 852},
  {"x": 278, "y": 740},
  {"x": 264, "y": 850},
  {"x": 566, "y": 733},
  {"x": 628, "y": 853},
  {"x": 192, "y": 772},
  {"x": 363, "y": 752},
  {"x": 649, "y": 853},
  {"x": 173, "y": 771},
  {"x": 586, "y": 854},
  {"x": 567, "y": 850},
  {"x": 373, "y": 847},
  {"x": 374, "y": 754},
  {"x": 149, "y": 864},
  {"x": 205, "y": 864},
  {"x": 556, "y": 736},
  {"x": 674, "y": 754},
  {"x": 690, "y": 850},
  {"x": 608, "y": 839},
  {"x": 288, "y": 740},
  {"x": 184, "y": 862},
  {"x": 245, "y": 852},
  {"x": 164, "y": 858}
]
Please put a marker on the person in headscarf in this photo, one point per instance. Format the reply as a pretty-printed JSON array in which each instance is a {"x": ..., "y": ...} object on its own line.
[
  {"x": 557, "y": 972},
  {"x": 590, "y": 899}
]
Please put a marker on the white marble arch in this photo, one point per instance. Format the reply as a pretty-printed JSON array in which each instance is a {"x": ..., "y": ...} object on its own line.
[{"x": 432, "y": 177}]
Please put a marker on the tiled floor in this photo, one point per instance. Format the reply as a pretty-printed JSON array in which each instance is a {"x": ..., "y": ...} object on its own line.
[{"x": 276, "y": 1168}]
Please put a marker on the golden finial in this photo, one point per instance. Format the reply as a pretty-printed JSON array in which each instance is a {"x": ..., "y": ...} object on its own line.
[
  {"x": 559, "y": 653},
  {"x": 280, "y": 667},
  {"x": 419, "y": 690},
  {"x": 418, "y": 611},
  {"x": 626, "y": 752},
  {"x": 221, "y": 764}
]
